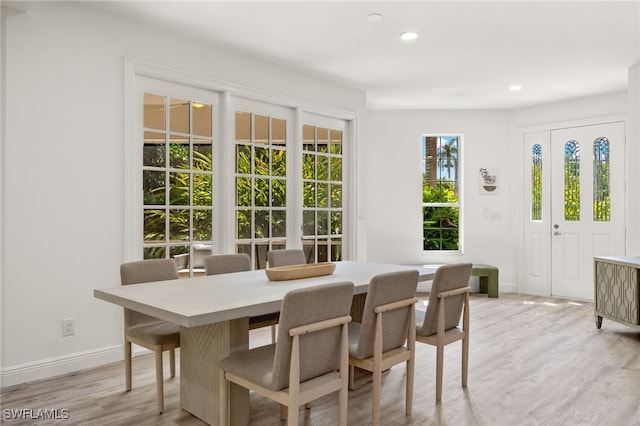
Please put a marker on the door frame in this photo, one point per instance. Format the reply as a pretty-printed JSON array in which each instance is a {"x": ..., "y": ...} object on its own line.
[{"x": 536, "y": 279}]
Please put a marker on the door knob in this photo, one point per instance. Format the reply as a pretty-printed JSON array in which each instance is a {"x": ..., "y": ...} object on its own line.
[{"x": 557, "y": 233}]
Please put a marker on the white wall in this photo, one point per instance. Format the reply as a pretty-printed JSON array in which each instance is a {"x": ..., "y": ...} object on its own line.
[
  {"x": 63, "y": 171},
  {"x": 392, "y": 147}
]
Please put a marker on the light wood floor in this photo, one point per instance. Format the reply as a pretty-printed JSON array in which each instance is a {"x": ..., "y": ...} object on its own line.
[{"x": 533, "y": 361}]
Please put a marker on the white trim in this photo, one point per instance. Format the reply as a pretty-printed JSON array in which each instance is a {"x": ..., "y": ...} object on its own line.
[
  {"x": 50, "y": 367},
  {"x": 129, "y": 162},
  {"x": 557, "y": 125},
  {"x": 173, "y": 75}
]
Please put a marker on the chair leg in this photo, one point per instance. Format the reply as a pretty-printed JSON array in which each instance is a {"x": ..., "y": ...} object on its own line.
[
  {"x": 223, "y": 408},
  {"x": 292, "y": 415},
  {"x": 283, "y": 412},
  {"x": 409, "y": 391},
  {"x": 352, "y": 370},
  {"x": 439, "y": 368},
  {"x": 172, "y": 362},
  {"x": 273, "y": 334},
  {"x": 127, "y": 364},
  {"x": 376, "y": 394},
  {"x": 465, "y": 360},
  {"x": 159, "y": 379},
  {"x": 343, "y": 397}
]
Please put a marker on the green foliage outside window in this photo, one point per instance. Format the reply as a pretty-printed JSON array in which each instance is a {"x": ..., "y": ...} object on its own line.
[
  {"x": 440, "y": 223},
  {"x": 182, "y": 221}
]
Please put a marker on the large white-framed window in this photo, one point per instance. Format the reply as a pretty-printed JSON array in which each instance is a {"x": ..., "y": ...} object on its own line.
[
  {"x": 176, "y": 146},
  {"x": 324, "y": 196},
  {"x": 262, "y": 154},
  {"x": 441, "y": 192},
  {"x": 181, "y": 183}
]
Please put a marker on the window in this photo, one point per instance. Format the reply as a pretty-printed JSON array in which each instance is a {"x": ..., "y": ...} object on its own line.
[
  {"x": 260, "y": 185},
  {"x": 441, "y": 183},
  {"x": 601, "y": 180},
  {"x": 177, "y": 178},
  {"x": 536, "y": 182},
  {"x": 572, "y": 181},
  {"x": 209, "y": 171},
  {"x": 322, "y": 184}
]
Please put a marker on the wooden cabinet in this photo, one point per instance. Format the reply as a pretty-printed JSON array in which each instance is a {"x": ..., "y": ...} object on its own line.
[{"x": 617, "y": 290}]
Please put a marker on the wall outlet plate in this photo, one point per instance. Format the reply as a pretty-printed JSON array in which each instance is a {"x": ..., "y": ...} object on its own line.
[{"x": 68, "y": 327}]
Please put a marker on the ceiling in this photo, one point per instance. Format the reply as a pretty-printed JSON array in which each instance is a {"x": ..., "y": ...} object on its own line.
[{"x": 467, "y": 54}]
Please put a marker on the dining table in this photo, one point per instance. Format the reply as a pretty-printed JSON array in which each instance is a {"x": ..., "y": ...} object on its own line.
[{"x": 213, "y": 313}]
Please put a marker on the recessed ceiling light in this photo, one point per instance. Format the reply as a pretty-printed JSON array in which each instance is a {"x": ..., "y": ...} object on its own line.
[
  {"x": 374, "y": 17},
  {"x": 409, "y": 35},
  {"x": 515, "y": 87}
]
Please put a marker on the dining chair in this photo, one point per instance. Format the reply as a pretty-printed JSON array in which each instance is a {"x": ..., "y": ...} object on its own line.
[
  {"x": 440, "y": 324},
  {"x": 285, "y": 257},
  {"x": 145, "y": 330},
  {"x": 386, "y": 335},
  {"x": 239, "y": 262},
  {"x": 309, "y": 359}
]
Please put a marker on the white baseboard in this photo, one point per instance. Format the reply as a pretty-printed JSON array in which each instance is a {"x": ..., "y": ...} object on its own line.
[{"x": 51, "y": 367}]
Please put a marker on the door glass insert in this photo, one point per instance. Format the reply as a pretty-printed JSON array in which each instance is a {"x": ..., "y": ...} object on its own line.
[
  {"x": 601, "y": 189},
  {"x": 536, "y": 182}
]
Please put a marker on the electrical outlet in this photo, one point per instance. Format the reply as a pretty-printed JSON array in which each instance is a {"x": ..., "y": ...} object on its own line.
[{"x": 68, "y": 327}]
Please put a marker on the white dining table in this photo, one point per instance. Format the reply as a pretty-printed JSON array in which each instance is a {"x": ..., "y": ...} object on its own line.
[{"x": 213, "y": 313}]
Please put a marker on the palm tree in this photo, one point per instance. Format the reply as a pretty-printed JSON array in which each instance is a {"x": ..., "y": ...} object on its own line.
[{"x": 449, "y": 155}]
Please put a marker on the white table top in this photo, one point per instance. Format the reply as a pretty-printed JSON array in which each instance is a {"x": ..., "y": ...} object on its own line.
[{"x": 204, "y": 300}]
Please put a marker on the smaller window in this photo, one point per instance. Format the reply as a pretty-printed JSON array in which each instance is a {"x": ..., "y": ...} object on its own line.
[
  {"x": 441, "y": 183},
  {"x": 601, "y": 192},
  {"x": 572, "y": 181},
  {"x": 536, "y": 182}
]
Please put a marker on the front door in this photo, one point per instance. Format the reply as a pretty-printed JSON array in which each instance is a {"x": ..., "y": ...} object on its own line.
[{"x": 587, "y": 204}]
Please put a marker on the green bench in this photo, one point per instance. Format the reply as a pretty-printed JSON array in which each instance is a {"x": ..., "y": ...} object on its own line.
[{"x": 488, "y": 278}]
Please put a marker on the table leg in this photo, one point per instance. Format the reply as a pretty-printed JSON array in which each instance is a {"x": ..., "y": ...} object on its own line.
[{"x": 201, "y": 348}]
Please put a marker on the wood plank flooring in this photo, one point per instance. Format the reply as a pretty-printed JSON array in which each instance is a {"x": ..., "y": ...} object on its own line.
[{"x": 533, "y": 361}]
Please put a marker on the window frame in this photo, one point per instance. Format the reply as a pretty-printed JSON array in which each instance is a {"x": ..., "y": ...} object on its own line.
[
  {"x": 223, "y": 238},
  {"x": 460, "y": 184}
]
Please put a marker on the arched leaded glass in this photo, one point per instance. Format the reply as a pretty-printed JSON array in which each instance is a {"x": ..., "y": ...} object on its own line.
[
  {"x": 572, "y": 181},
  {"x": 536, "y": 182},
  {"x": 601, "y": 188}
]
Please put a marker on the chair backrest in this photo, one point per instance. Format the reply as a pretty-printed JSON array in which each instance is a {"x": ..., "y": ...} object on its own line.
[
  {"x": 383, "y": 289},
  {"x": 226, "y": 263},
  {"x": 448, "y": 277},
  {"x": 285, "y": 257},
  {"x": 145, "y": 271},
  {"x": 319, "y": 351}
]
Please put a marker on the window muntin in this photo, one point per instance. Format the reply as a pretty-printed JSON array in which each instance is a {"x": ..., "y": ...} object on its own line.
[
  {"x": 536, "y": 182},
  {"x": 177, "y": 177},
  {"x": 261, "y": 186},
  {"x": 322, "y": 193},
  {"x": 601, "y": 181},
  {"x": 572, "y": 181},
  {"x": 441, "y": 192}
]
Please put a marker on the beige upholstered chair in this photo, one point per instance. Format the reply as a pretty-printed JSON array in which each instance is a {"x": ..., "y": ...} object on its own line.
[
  {"x": 388, "y": 322},
  {"x": 439, "y": 326},
  {"x": 145, "y": 330},
  {"x": 239, "y": 262},
  {"x": 310, "y": 358},
  {"x": 285, "y": 257}
]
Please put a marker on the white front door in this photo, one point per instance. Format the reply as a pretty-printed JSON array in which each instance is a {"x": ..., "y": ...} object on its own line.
[{"x": 587, "y": 204}]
